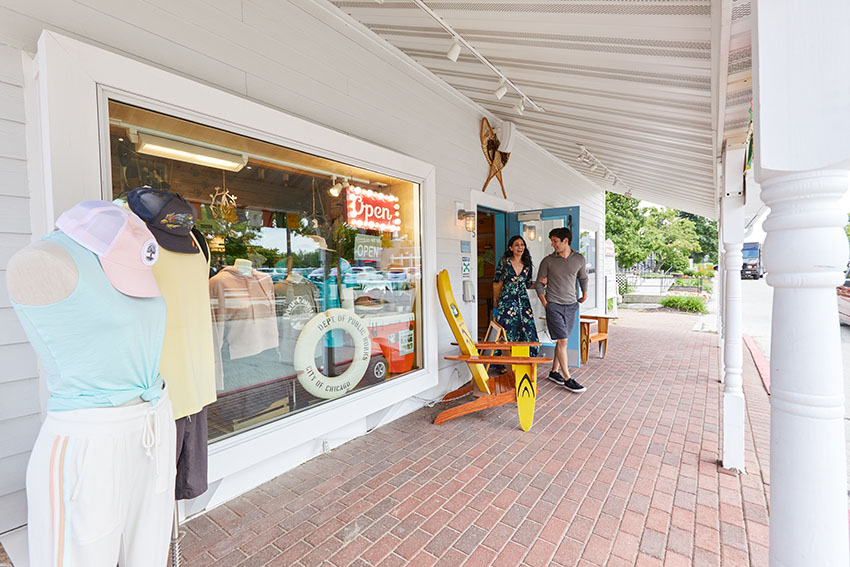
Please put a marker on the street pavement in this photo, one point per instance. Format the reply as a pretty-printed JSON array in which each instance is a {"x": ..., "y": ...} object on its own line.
[{"x": 757, "y": 299}]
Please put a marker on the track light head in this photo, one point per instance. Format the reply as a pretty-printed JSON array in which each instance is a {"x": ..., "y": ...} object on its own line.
[
  {"x": 594, "y": 166},
  {"x": 501, "y": 91},
  {"x": 454, "y": 51},
  {"x": 519, "y": 108}
]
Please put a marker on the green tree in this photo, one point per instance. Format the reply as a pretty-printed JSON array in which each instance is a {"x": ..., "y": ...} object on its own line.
[
  {"x": 670, "y": 237},
  {"x": 623, "y": 223},
  {"x": 707, "y": 235}
]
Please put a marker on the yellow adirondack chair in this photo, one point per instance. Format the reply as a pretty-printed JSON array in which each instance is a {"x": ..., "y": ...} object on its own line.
[{"x": 518, "y": 385}]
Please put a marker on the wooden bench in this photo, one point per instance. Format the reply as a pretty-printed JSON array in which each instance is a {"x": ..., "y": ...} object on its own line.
[{"x": 600, "y": 337}]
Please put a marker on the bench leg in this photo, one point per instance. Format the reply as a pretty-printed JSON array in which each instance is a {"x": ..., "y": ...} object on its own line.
[
  {"x": 603, "y": 348},
  {"x": 585, "y": 342}
]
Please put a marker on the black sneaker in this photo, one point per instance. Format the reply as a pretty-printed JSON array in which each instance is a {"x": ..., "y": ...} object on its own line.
[
  {"x": 556, "y": 378},
  {"x": 574, "y": 386}
]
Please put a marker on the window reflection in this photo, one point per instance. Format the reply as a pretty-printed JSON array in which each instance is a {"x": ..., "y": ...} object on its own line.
[{"x": 291, "y": 238}]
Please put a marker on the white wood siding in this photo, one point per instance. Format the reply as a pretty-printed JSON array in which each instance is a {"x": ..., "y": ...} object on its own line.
[
  {"x": 19, "y": 398},
  {"x": 306, "y": 58}
]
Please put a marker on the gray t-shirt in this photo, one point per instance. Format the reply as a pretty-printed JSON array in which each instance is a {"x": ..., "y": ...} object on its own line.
[{"x": 561, "y": 274}]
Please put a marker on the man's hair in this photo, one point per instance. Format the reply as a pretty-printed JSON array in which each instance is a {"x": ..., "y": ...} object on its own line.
[{"x": 561, "y": 233}]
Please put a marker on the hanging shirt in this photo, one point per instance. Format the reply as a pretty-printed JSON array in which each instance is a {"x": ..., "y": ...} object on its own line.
[
  {"x": 243, "y": 311},
  {"x": 295, "y": 304},
  {"x": 187, "y": 364},
  {"x": 98, "y": 347}
]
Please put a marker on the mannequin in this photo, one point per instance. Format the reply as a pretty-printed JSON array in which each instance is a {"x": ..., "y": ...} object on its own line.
[
  {"x": 99, "y": 472},
  {"x": 244, "y": 266},
  {"x": 187, "y": 362},
  {"x": 246, "y": 334},
  {"x": 292, "y": 276}
]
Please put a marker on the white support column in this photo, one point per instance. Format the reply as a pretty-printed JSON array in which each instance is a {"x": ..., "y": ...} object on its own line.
[
  {"x": 805, "y": 252},
  {"x": 734, "y": 406},
  {"x": 802, "y": 152}
]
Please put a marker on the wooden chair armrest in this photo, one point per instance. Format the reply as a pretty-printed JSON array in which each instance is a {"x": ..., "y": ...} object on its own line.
[
  {"x": 500, "y": 344},
  {"x": 503, "y": 345},
  {"x": 533, "y": 360}
]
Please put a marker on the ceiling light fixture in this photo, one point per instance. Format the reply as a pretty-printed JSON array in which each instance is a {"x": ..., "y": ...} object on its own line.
[
  {"x": 190, "y": 153},
  {"x": 519, "y": 107},
  {"x": 454, "y": 51},
  {"x": 595, "y": 164},
  {"x": 459, "y": 39},
  {"x": 501, "y": 91},
  {"x": 336, "y": 188}
]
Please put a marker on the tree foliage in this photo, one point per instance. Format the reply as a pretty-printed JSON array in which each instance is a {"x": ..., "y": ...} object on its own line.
[
  {"x": 623, "y": 222},
  {"x": 672, "y": 238},
  {"x": 707, "y": 234}
]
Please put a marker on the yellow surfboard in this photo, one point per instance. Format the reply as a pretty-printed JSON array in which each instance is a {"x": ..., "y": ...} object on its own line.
[
  {"x": 461, "y": 333},
  {"x": 526, "y": 388}
]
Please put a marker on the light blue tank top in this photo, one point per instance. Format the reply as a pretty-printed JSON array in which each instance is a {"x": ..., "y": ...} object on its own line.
[{"x": 98, "y": 347}]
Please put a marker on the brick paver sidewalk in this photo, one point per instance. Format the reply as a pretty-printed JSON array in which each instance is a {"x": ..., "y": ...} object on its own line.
[{"x": 624, "y": 474}]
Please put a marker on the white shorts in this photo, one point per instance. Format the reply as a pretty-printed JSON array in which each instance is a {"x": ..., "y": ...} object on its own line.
[{"x": 100, "y": 487}]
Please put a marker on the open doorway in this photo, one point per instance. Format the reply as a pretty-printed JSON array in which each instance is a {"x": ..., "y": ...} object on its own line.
[{"x": 491, "y": 235}]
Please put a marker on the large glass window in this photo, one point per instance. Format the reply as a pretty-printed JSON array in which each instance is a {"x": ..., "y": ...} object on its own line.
[{"x": 292, "y": 236}]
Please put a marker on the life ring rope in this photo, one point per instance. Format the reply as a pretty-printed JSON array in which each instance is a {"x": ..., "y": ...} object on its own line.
[{"x": 316, "y": 383}]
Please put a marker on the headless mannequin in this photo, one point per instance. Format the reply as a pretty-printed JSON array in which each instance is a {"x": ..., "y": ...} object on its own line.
[
  {"x": 244, "y": 266},
  {"x": 41, "y": 274},
  {"x": 294, "y": 277}
]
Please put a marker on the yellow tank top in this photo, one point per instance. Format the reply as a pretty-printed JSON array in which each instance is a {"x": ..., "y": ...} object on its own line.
[{"x": 187, "y": 363}]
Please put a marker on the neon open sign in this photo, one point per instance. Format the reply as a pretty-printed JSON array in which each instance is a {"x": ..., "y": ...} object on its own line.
[{"x": 373, "y": 210}]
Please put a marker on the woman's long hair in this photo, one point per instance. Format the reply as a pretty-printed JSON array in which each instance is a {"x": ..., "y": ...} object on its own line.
[{"x": 526, "y": 255}]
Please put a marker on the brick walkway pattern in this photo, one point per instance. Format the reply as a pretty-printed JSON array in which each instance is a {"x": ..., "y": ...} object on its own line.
[{"x": 625, "y": 474}]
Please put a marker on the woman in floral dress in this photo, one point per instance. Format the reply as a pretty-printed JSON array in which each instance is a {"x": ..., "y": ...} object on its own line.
[{"x": 510, "y": 284}]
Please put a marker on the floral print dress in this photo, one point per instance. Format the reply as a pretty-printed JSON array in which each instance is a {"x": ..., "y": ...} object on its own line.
[{"x": 514, "y": 310}]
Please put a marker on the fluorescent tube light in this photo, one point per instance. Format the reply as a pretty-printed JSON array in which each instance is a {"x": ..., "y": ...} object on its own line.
[{"x": 190, "y": 153}]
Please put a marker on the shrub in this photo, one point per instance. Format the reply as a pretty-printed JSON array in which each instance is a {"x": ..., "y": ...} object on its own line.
[
  {"x": 624, "y": 287},
  {"x": 690, "y": 303}
]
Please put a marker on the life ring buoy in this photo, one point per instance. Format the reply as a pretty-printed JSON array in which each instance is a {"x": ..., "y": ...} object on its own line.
[{"x": 316, "y": 383}]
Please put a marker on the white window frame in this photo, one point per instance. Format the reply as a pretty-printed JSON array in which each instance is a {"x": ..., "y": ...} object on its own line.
[{"x": 75, "y": 81}]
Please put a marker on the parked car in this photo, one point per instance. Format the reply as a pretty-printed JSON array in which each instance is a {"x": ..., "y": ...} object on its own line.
[
  {"x": 277, "y": 274},
  {"x": 844, "y": 300}
]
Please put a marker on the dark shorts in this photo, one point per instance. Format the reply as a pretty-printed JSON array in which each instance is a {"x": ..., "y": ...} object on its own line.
[
  {"x": 191, "y": 456},
  {"x": 560, "y": 319}
]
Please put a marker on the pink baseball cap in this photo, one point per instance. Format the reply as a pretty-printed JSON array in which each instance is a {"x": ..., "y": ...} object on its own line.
[{"x": 125, "y": 247}]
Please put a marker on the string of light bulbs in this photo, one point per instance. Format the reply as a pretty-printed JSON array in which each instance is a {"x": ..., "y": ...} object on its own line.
[
  {"x": 595, "y": 164},
  {"x": 458, "y": 43}
]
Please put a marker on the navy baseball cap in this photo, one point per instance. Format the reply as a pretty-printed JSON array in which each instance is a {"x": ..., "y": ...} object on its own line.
[{"x": 169, "y": 217}]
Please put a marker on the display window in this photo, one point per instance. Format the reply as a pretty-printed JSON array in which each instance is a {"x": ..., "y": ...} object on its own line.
[{"x": 315, "y": 265}]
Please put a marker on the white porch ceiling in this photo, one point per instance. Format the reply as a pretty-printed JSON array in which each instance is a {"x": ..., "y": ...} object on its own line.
[{"x": 630, "y": 80}]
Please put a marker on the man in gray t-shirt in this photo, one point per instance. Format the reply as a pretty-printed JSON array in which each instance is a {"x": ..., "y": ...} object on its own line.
[{"x": 556, "y": 287}]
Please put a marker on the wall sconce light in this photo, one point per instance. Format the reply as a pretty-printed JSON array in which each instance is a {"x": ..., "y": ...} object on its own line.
[
  {"x": 532, "y": 232},
  {"x": 468, "y": 218},
  {"x": 336, "y": 188}
]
